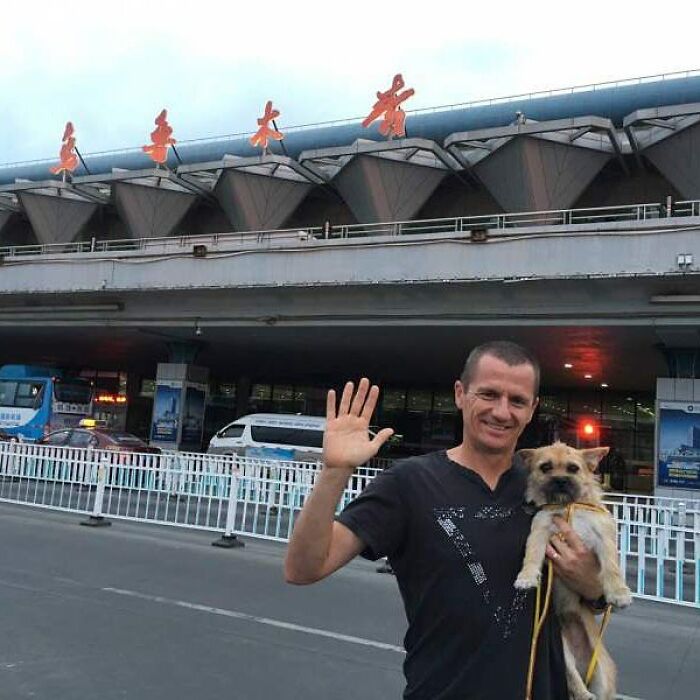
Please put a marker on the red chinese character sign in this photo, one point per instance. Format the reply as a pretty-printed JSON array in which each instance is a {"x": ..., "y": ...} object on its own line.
[
  {"x": 388, "y": 104},
  {"x": 162, "y": 139},
  {"x": 68, "y": 158},
  {"x": 262, "y": 136}
]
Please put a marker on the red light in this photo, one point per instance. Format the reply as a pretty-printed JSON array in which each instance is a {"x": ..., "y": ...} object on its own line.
[{"x": 588, "y": 429}]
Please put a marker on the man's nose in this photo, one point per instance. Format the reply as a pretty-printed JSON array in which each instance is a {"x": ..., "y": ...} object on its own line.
[{"x": 501, "y": 408}]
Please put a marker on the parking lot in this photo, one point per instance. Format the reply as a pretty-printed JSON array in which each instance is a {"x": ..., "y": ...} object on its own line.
[{"x": 146, "y": 612}]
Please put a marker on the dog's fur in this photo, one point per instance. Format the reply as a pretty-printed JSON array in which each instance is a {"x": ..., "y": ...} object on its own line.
[{"x": 560, "y": 475}]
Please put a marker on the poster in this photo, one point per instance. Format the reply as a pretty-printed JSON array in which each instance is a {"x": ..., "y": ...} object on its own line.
[
  {"x": 166, "y": 413},
  {"x": 678, "y": 462},
  {"x": 193, "y": 417}
]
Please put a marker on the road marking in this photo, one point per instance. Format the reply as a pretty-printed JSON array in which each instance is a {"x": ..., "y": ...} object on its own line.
[
  {"x": 625, "y": 697},
  {"x": 260, "y": 620}
]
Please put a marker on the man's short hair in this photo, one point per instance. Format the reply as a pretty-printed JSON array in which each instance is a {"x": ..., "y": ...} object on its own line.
[{"x": 505, "y": 351}]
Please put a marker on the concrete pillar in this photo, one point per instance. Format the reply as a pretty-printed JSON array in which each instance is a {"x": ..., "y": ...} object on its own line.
[
  {"x": 178, "y": 406},
  {"x": 242, "y": 395}
]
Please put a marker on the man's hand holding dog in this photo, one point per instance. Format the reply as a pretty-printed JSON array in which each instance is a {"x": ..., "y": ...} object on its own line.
[{"x": 574, "y": 562}]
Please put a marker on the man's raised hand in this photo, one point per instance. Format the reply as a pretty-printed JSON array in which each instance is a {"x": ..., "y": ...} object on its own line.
[{"x": 346, "y": 442}]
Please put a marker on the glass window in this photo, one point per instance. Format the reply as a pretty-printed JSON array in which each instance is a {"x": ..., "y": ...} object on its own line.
[
  {"x": 58, "y": 438},
  {"x": 22, "y": 394},
  {"x": 420, "y": 401},
  {"x": 584, "y": 403},
  {"x": 7, "y": 393},
  {"x": 233, "y": 431},
  {"x": 73, "y": 391},
  {"x": 645, "y": 411},
  {"x": 80, "y": 438},
  {"x": 29, "y": 394},
  {"x": 444, "y": 402},
  {"x": 282, "y": 393},
  {"x": 148, "y": 387},
  {"x": 394, "y": 400},
  {"x": 553, "y": 406},
  {"x": 619, "y": 410},
  {"x": 287, "y": 436},
  {"x": 261, "y": 392}
]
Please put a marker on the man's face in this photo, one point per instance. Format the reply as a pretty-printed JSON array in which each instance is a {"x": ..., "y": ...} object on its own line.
[{"x": 497, "y": 404}]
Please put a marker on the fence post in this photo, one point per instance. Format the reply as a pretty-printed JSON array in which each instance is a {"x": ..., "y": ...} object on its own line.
[
  {"x": 229, "y": 540},
  {"x": 97, "y": 519}
]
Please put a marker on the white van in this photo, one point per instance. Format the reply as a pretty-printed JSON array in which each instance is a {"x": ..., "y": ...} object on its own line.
[{"x": 272, "y": 436}]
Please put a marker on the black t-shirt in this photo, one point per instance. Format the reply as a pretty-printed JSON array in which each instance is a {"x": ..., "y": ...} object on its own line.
[{"x": 456, "y": 548}]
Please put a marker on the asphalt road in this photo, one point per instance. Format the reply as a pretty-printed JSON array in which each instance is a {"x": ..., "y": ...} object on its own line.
[{"x": 154, "y": 613}]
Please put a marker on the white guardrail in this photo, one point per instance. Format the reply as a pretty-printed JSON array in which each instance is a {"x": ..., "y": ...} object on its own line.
[{"x": 658, "y": 538}]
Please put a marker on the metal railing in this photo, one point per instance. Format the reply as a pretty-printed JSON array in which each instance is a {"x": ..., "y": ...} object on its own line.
[
  {"x": 440, "y": 227},
  {"x": 658, "y": 539}
]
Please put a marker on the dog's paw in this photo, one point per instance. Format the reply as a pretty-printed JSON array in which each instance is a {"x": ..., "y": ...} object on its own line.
[
  {"x": 583, "y": 695},
  {"x": 526, "y": 580},
  {"x": 619, "y": 598}
]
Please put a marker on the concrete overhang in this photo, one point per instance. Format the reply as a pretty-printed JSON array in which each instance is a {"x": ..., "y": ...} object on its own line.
[
  {"x": 149, "y": 177},
  {"x": 596, "y": 133},
  {"x": 645, "y": 127},
  {"x": 669, "y": 137},
  {"x": 8, "y": 203},
  {"x": 327, "y": 162},
  {"x": 57, "y": 188},
  {"x": 267, "y": 165}
]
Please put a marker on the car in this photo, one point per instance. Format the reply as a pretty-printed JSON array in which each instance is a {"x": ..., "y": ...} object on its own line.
[
  {"x": 91, "y": 434},
  {"x": 272, "y": 436}
]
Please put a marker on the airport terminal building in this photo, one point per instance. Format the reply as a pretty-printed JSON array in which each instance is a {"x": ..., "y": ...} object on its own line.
[{"x": 566, "y": 221}]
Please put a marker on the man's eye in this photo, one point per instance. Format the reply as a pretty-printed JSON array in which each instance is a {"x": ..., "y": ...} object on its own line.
[
  {"x": 518, "y": 403},
  {"x": 487, "y": 395}
]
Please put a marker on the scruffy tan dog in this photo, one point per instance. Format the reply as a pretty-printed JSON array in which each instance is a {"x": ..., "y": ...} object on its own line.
[{"x": 560, "y": 475}]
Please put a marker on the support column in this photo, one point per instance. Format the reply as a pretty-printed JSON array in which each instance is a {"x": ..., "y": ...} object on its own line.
[
  {"x": 677, "y": 444},
  {"x": 178, "y": 406},
  {"x": 242, "y": 395}
]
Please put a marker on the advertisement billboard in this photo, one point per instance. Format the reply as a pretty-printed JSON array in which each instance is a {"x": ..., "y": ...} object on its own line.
[
  {"x": 678, "y": 459},
  {"x": 166, "y": 412}
]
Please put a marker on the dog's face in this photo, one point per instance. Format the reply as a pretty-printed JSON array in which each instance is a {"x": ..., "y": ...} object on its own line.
[{"x": 560, "y": 474}]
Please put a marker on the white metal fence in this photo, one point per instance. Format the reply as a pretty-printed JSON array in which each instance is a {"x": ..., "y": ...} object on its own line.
[{"x": 658, "y": 538}]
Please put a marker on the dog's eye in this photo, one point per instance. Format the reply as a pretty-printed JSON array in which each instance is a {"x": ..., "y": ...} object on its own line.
[
  {"x": 572, "y": 468},
  {"x": 546, "y": 467}
]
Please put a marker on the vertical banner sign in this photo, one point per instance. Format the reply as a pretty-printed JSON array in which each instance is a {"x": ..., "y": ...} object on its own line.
[
  {"x": 193, "y": 416},
  {"x": 166, "y": 412},
  {"x": 678, "y": 459}
]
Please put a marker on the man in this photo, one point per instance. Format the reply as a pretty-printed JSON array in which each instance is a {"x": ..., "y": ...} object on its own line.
[{"x": 454, "y": 525}]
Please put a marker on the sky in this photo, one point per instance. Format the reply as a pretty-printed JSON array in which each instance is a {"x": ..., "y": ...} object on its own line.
[{"x": 111, "y": 67}]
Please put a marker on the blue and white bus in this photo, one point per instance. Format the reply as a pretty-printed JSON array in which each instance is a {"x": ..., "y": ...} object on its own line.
[{"x": 37, "y": 400}]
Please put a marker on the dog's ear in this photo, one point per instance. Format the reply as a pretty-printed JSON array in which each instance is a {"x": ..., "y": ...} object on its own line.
[
  {"x": 526, "y": 455},
  {"x": 593, "y": 455}
]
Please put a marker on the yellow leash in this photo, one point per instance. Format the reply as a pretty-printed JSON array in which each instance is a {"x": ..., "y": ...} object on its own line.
[{"x": 540, "y": 616}]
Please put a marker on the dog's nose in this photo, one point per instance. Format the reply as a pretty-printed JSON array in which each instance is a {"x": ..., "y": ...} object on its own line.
[{"x": 560, "y": 481}]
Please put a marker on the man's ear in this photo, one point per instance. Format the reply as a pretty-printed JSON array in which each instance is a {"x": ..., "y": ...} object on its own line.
[
  {"x": 593, "y": 455},
  {"x": 526, "y": 454},
  {"x": 459, "y": 394}
]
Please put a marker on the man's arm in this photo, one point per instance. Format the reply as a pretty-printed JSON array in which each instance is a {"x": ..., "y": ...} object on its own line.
[{"x": 319, "y": 545}]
